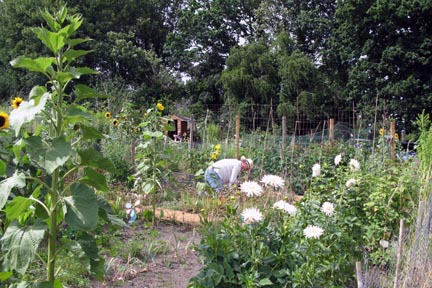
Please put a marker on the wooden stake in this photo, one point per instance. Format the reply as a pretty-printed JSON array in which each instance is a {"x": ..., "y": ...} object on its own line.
[
  {"x": 399, "y": 254},
  {"x": 359, "y": 275},
  {"x": 331, "y": 130},
  {"x": 392, "y": 144},
  {"x": 284, "y": 133},
  {"x": 403, "y": 135},
  {"x": 237, "y": 136},
  {"x": 191, "y": 133}
]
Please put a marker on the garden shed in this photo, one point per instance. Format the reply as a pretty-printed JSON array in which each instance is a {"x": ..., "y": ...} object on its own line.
[{"x": 182, "y": 126}]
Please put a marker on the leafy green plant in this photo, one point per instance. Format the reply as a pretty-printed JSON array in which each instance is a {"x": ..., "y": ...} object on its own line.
[
  {"x": 118, "y": 152},
  {"x": 152, "y": 156},
  {"x": 49, "y": 146},
  {"x": 346, "y": 209}
]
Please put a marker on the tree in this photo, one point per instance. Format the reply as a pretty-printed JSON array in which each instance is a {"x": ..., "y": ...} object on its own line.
[
  {"x": 121, "y": 32},
  {"x": 16, "y": 39},
  {"x": 309, "y": 23},
  {"x": 251, "y": 75},
  {"x": 383, "y": 50},
  {"x": 200, "y": 43}
]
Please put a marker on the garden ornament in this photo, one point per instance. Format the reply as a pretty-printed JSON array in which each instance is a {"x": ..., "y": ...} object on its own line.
[{"x": 132, "y": 210}]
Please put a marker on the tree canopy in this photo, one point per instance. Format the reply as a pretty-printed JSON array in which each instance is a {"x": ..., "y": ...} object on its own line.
[{"x": 293, "y": 54}]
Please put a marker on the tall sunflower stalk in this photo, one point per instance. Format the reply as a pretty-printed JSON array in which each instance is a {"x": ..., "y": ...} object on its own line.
[
  {"x": 47, "y": 201},
  {"x": 152, "y": 156}
]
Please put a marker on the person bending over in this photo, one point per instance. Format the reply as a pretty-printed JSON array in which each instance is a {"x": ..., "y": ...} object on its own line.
[{"x": 226, "y": 171}]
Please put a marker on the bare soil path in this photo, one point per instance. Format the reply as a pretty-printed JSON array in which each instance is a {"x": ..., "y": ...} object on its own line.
[{"x": 176, "y": 263}]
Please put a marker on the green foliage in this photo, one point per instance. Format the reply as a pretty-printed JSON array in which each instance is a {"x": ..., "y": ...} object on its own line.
[
  {"x": 152, "y": 156},
  {"x": 251, "y": 74},
  {"x": 210, "y": 133},
  {"x": 424, "y": 149},
  {"x": 379, "y": 46},
  {"x": 39, "y": 195},
  {"x": 117, "y": 150},
  {"x": 367, "y": 202}
]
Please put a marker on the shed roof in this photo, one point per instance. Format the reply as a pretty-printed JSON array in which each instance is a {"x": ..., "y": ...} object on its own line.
[{"x": 181, "y": 118}]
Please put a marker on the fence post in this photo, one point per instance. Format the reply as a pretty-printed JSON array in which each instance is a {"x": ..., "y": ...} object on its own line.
[
  {"x": 392, "y": 144},
  {"x": 132, "y": 151},
  {"x": 237, "y": 136},
  {"x": 399, "y": 253},
  {"x": 403, "y": 135},
  {"x": 284, "y": 132},
  {"x": 331, "y": 130},
  {"x": 191, "y": 132},
  {"x": 359, "y": 275}
]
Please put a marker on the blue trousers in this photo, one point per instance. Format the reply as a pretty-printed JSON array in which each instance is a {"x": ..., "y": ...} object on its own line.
[{"x": 213, "y": 179}]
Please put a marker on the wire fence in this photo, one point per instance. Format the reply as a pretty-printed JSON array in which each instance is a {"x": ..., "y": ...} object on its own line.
[
  {"x": 302, "y": 126},
  {"x": 266, "y": 118},
  {"x": 415, "y": 262}
]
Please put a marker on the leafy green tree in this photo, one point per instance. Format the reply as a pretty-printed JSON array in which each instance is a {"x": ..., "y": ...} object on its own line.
[
  {"x": 298, "y": 82},
  {"x": 121, "y": 31},
  {"x": 16, "y": 38},
  {"x": 309, "y": 23},
  {"x": 199, "y": 44},
  {"x": 127, "y": 40},
  {"x": 251, "y": 75},
  {"x": 382, "y": 50},
  {"x": 52, "y": 144}
]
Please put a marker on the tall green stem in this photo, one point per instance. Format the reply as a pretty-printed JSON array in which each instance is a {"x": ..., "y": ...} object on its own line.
[
  {"x": 52, "y": 228},
  {"x": 154, "y": 182}
]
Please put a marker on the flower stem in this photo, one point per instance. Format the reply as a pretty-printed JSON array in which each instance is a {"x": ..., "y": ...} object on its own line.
[{"x": 52, "y": 228}]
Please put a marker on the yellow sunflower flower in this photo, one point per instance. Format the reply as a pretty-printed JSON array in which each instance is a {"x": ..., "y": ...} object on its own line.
[
  {"x": 396, "y": 136},
  {"x": 217, "y": 146},
  {"x": 381, "y": 131},
  {"x": 213, "y": 156},
  {"x": 116, "y": 122},
  {"x": 160, "y": 106},
  {"x": 16, "y": 102},
  {"x": 4, "y": 120},
  {"x": 107, "y": 115}
]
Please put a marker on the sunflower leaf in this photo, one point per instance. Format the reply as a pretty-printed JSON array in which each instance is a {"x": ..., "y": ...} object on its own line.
[
  {"x": 17, "y": 180},
  {"x": 19, "y": 245},
  {"x": 82, "y": 208}
]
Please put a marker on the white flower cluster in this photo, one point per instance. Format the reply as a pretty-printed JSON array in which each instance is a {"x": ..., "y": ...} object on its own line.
[
  {"x": 273, "y": 180},
  {"x": 327, "y": 208},
  {"x": 384, "y": 243},
  {"x": 354, "y": 165},
  {"x": 351, "y": 182},
  {"x": 313, "y": 231},
  {"x": 251, "y": 189},
  {"x": 338, "y": 159},
  {"x": 251, "y": 215},
  {"x": 316, "y": 170},
  {"x": 285, "y": 206}
]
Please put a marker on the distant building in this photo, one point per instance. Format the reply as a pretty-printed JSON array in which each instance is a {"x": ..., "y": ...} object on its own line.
[{"x": 182, "y": 127}]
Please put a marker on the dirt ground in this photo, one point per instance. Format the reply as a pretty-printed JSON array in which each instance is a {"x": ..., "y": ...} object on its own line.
[{"x": 172, "y": 268}]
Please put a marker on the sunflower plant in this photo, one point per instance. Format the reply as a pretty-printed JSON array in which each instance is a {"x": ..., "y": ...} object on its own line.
[
  {"x": 152, "y": 155},
  {"x": 41, "y": 197}
]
